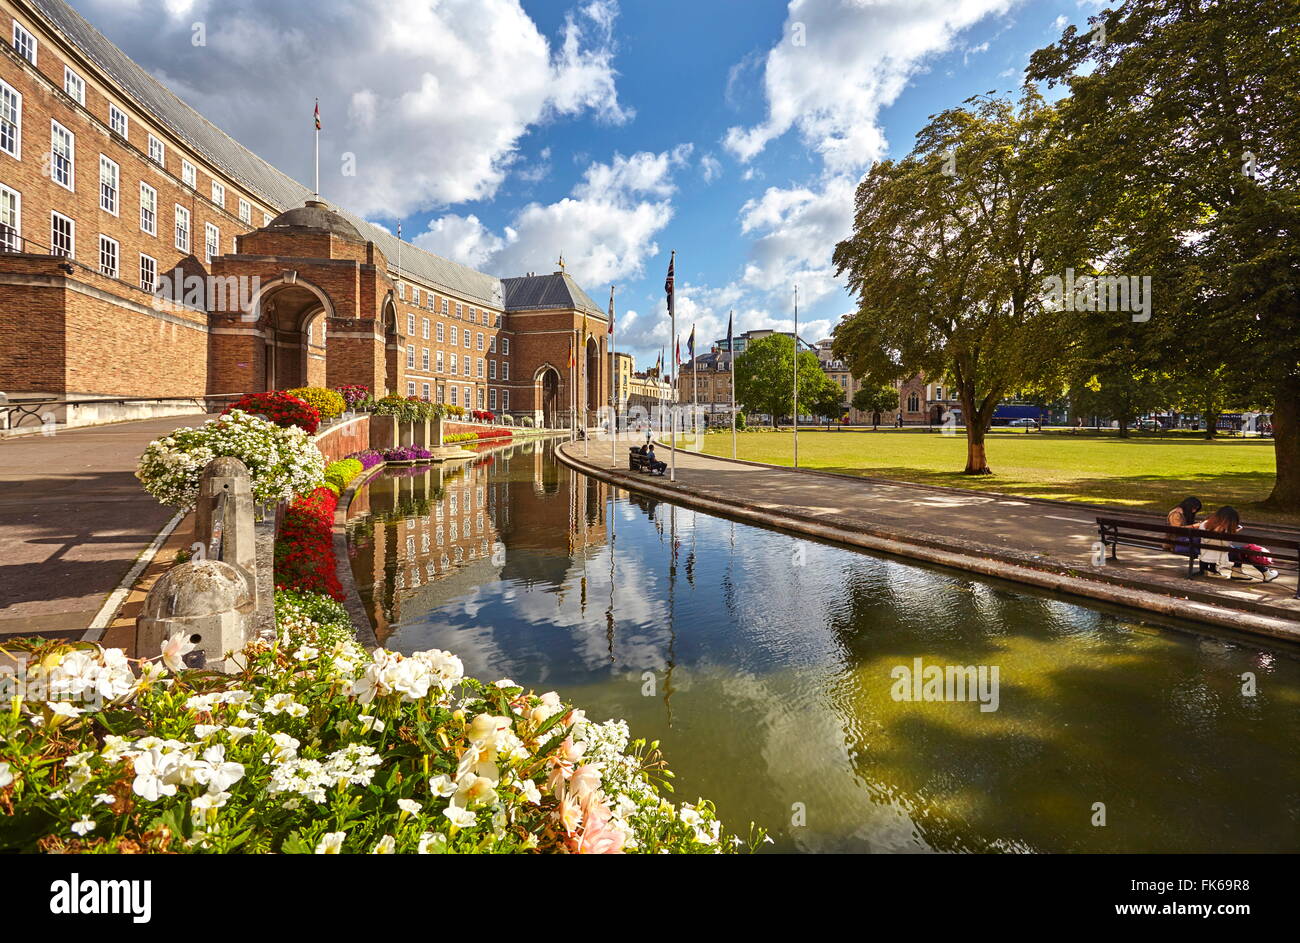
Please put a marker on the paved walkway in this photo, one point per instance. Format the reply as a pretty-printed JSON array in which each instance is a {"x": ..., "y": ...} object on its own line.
[
  {"x": 1028, "y": 532},
  {"x": 73, "y": 520}
]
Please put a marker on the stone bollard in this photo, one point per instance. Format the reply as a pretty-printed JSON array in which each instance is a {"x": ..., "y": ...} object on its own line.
[
  {"x": 229, "y": 476},
  {"x": 205, "y": 600}
]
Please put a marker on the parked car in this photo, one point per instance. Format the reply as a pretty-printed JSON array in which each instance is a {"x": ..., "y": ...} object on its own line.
[
  {"x": 1021, "y": 423},
  {"x": 1149, "y": 425}
]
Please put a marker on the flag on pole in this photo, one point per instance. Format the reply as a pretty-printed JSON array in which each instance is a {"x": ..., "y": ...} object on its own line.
[
  {"x": 668, "y": 282},
  {"x": 677, "y": 353},
  {"x": 690, "y": 345},
  {"x": 611, "y": 309},
  {"x": 317, "y": 114},
  {"x": 731, "y": 344}
]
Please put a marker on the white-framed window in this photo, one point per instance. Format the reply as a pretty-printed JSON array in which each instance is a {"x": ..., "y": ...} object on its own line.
[
  {"x": 75, "y": 86},
  {"x": 424, "y": 359},
  {"x": 454, "y": 335},
  {"x": 158, "y": 152},
  {"x": 439, "y": 333},
  {"x": 189, "y": 175},
  {"x": 438, "y": 362},
  {"x": 492, "y": 399},
  {"x": 107, "y": 256},
  {"x": 424, "y": 392},
  {"x": 478, "y": 367},
  {"x": 473, "y": 316},
  {"x": 11, "y": 219},
  {"x": 441, "y": 392},
  {"x": 505, "y": 400},
  {"x": 465, "y": 365},
  {"x": 468, "y": 338},
  {"x": 431, "y": 302},
  {"x": 410, "y": 325},
  {"x": 219, "y": 194},
  {"x": 492, "y": 344},
  {"x": 24, "y": 43},
  {"x": 63, "y": 148},
  {"x": 410, "y": 356},
  {"x": 505, "y": 346},
  {"x": 424, "y": 328},
  {"x": 109, "y": 178},
  {"x": 415, "y": 295},
  {"x": 480, "y": 397},
  {"x": 410, "y": 387},
  {"x": 401, "y": 290},
  {"x": 11, "y": 121},
  {"x": 460, "y": 313},
  {"x": 63, "y": 235},
  {"x": 497, "y": 320},
  {"x": 453, "y": 365},
  {"x": 211, "y": 242},
  {"x": 492, "y": 369},
  {"x": 117, "y": 120},
  {"x": 182, "y": 228},
  {"x": 453, "y": 396},
  {"x": 148, "y": 272},
  {"x": 478, "y": 341},
  {"x": 266, "y": 218},
  {"x": 446, "y": 306},
  {"x": 245, "y": 211},
  {"x": 505, "y": 370}
]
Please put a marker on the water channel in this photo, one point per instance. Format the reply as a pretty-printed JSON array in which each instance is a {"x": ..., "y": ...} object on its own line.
[{"x": 768, "y": 666}]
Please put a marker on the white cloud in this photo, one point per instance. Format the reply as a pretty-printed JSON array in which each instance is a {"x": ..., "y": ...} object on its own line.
[
  {"x": 432, "y": 98},
  {"x": 856, "y": 59},
  {"x": 606, "y": 227},
  {"x": 710, "y": 168}
]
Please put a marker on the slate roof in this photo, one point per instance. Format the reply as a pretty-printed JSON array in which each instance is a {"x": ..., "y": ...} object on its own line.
[
  {"x": 557, "y": 290},
  {"x": 259, "y": 177}
]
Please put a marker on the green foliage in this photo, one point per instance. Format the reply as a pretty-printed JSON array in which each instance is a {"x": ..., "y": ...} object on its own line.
[
  {"x": 765, "y": 377},
  {"x": 876, "y": 398},
  {"x": 338, "y": 475}
]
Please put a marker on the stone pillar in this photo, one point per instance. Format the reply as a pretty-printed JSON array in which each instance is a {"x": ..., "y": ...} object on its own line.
[
  {"x": 383, "y": 432},
  {"x": 435, "y": 432},
  {"x": 421, "y": 434},
  {"x": 207, "y": 602},
  {"x": 229, "y": 476},
  {"x": 405, "y": 434}
]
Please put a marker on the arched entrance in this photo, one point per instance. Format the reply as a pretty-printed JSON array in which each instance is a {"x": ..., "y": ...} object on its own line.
[
  {"x": 594, "y": 399},
  {"x": 291, "y": 314},
  {"x": 547, "y": 395},
  {"x": 392, "y": 347}
]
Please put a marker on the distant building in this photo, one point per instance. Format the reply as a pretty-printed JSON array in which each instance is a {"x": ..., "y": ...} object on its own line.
[
  {"x": 648, "y": 391},
  {"x": 621, "y": 367}
]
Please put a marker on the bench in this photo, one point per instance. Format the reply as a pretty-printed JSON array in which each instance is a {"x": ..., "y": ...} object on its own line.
[
  {"x": 1187, "y": 542},
  {"x": 638, "y": 462}
]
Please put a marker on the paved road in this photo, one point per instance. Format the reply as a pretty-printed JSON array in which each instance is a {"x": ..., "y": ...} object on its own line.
[
  {"x": 73, "y": 519},
  {"x": 1056, "y": 530}
]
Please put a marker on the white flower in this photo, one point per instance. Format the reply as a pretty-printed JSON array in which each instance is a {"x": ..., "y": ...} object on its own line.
[
  {"x": 431, "y": 843},
  {"x": 463, "y": 818},
  {"x": 105, "y": 799},
  {"x": 442, "y": 786},
  {"x": 385, "y": 847},
  {"x": 409, "y": 806},
  {"x": 331, "y": 843},
  {"x": 6, "y": 776},
  {"x": 83, "y": 827},
  {"x": 306, "y": 653},
  {"x": 151, "y": 768},
  {"x": 174, "y": 650}
]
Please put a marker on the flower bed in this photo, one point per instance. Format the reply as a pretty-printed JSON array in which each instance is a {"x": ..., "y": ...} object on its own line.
[
  {"x": 318, "y": 747},
  {"x": 354, "y": 394},
  {"x": 282, "y": 462},
  {"x": 283, "y": 409},
  {"x": 327, "y": 402},
  {"x": 338, "y": 475},
  {"x": 368, "y": 458},
  {"x": 407, "y": 453},
  {"x": 304, "y": 548}
]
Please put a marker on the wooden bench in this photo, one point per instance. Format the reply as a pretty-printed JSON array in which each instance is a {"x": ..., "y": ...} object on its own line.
[
  {"x": 1188, "y": 542},
  {"x": 638, "y": 462}
]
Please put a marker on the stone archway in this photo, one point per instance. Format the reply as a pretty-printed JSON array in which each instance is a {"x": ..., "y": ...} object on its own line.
[
  {"x": 392, "y": 346},
  {"x": 546, "y": 385},
  {"x": 594, "y": 400},
  {"x": 291, "y": 314}
]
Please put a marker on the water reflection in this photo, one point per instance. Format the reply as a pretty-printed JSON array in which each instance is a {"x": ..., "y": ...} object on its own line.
[{"x": 763, "y": 664}]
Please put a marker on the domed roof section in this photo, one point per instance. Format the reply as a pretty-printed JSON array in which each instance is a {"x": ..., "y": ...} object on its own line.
[{"x": 316, "y": 214}]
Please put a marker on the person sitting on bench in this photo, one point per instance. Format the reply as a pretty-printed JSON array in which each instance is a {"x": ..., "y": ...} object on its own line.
[
  {"x": 653, "y": 463},
  {"x": 1184, "y": 515},
  {"x": 1220, "y": 557}
]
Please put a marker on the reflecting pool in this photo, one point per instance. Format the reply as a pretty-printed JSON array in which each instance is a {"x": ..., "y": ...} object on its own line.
[{"x": 769, "y": 666}]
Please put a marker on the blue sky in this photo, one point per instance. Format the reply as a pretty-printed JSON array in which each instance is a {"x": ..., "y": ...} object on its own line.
[{"x": 503, "y": 132}]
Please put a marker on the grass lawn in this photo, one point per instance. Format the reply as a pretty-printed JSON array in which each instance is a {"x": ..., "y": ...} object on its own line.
[{"x": 1144, "y": 472}]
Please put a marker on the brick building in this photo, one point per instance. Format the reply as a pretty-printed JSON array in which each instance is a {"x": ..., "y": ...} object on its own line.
[{"x": 143, "y": 252}]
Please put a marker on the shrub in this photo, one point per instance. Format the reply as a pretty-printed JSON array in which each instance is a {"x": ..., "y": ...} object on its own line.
[
  {"x": 526, "y": 421},
  {"x": 368, "y": 458},
  {"x": 282, "y": 462},
  {"x": 341, "y": 473},
  {"x": 344, "y": 753},
  {"x": 282, "y": 408},
  {"x": 407, "y": 453},
  {"x": 304, "y": 549},
  {"x": 327, "y": 402},
  {"x": 408, "y": 409}
]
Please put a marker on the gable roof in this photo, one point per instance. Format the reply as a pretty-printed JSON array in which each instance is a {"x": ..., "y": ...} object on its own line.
[
  {"x": 256, "y": 175},
  {"x": 557, "y": 290}
]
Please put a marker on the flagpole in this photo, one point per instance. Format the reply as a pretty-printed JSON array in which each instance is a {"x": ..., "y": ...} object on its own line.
[
  {"x": 695, "y": 381},
  {"x": 316, "y": 189},
  {"x": 614, "y": 384},
  {"x": 731, "y": 353},
  {"x": 796, "y": 376},
  {"x": 672, "y": 409}
]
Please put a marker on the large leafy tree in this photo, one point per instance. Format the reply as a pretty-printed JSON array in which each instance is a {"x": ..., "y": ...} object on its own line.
[
  {"x": 1188, "y": 112},
  {"x": 949, "y": 251},
  {"x": 765, "y": 377}
]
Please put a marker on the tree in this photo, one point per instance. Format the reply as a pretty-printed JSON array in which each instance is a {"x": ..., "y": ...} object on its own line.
[
  {"x": 874, "y": 399},
  {"x": 765, "y": 377},
  {"x": 949, "y": 252},
  {"x": 825, "y": 400},
  {"x": 1189, "y": 113}
]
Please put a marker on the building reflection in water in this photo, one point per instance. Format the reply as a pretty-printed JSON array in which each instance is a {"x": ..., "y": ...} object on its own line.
[{"x": 420, "y": 535}]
